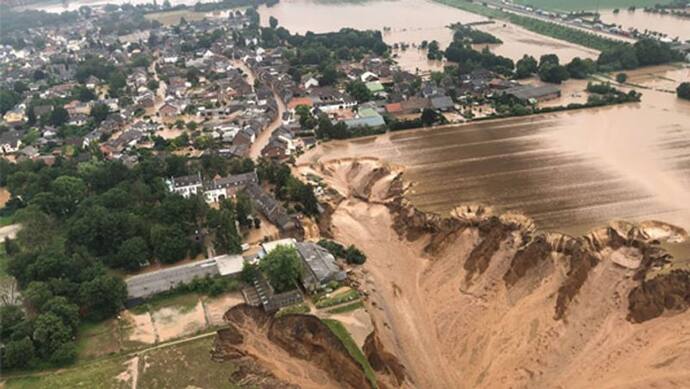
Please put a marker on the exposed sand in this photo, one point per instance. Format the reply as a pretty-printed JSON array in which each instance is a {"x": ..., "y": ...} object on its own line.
[
  {"x": 216, "y": 307},
  {"x": 358, "y": 324},
  {"x": 450, "y": 332},
  {"x": 278, "y": 361},
  {"x": 173, "y": 323},
  {"x": 143, "y": 329}
]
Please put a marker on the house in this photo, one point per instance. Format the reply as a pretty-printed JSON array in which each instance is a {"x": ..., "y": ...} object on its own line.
[
  {"x": 168, "y": 111},
  {"x": 533, "y": 94},
  {"x": 267, "y": 247},
  {"x": 375, "y": 87},
  {"x": 319, "y": 266},
  {"x": 271, "y": 208},
  {"x": 244, "y": 137},
  {"x": 10, "y": 141},
  {"x": 297, "y": 101},
  {"x": 310, "y": 82},
  {"x": 442, "y": 103},
  {"x": 261, "y": 293},
  {"x": 220, "y": 188},
  {"x": 329, "y": 99},
  {"x": 15, "y": 117},
  {"x": 186, "y": 186}
]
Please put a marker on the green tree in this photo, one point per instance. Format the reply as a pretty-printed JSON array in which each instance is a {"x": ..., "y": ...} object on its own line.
[
  {"x": 283, "y": 268},
  {"x": 50, "y": 333},
  {"x": 273, "y": 22},
  {"x": 525, "y": 67},
  {"x": 37, "y": 294},
  {"x": 10, "y": 316},
  {"x": 67, "y": 193},
  {"x": 244, "y": 209},
  {"x": 132, "y": 253},
  {"x": 683, "y": 90},
  {"x": 222, "y": 222},
  {"x": 169, "y": 243},
  {"x": 58, "y": 116},
  {"x": 553, "y": 73},
  {"x": 8, "y": 99},
  {"x": 66, "y": 311},
  {"x": 579, "y": 68},
  {"x": 359, "y": 91},
  {"x": 99, "y": 112},
  {"x": 103, "y": 296},
  {"x": 355, "y": 255},
  {"x": 18, "y": 353},
  {"x": 621, "y": 78}
]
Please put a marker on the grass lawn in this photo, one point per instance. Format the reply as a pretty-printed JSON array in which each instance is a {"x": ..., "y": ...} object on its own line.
[
  {"x": 575, "y": 5},
  {"x": 185, "y": 302},
  {"x": 354, "y": 350},
  {"x": 6, "y": 220},
  {"x": 297, "y": 308},
  {"x": 101, "y": 374},
  {"x": 187, "y": 365},
  {"x": 339, "y": 298},
  {"x": 347, "y": 308},
  {"x": 98, "y": 339}
]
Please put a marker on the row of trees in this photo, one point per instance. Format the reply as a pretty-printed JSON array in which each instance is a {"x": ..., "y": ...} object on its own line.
[{"x": 644, "y": 52}]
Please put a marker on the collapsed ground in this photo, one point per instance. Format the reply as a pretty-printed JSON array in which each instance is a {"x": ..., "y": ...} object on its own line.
[{"x": 482, "y": 301}]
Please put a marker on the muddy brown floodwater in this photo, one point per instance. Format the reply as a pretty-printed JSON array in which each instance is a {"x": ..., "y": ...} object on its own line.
[
  {"x": 673, "y": 26},
  {"x": 411, "y": 22},
  {"x": 568, "y": 171}
]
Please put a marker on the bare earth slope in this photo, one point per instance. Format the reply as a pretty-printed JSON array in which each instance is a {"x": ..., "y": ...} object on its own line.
[{"x": 477, "y": 300}]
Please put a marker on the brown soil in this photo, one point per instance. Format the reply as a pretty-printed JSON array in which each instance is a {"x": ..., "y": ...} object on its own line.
[
  {"x": 297, "y": 349},
  {"x": 481, "y": 300}
]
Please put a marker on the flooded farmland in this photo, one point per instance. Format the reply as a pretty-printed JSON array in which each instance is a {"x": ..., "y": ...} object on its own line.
[
  {"x": 673, "y": 26},
  {"x": 569, "y": 171},
  {"x": 411, "y": 22}
]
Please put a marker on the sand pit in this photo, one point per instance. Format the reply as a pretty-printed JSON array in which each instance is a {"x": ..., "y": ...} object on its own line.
[
  {"x": 173, "y": 323},
  {"x": 450, "y": 327}
]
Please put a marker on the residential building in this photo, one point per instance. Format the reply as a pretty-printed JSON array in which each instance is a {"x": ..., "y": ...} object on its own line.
[{"x": 319, "y": 266}]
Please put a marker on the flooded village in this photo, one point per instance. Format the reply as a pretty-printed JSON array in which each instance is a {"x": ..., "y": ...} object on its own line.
[{"x": 300, "y": 193}]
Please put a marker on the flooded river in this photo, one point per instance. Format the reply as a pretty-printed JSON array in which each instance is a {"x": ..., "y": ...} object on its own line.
[
  {"x": 411, "y": 22},
  {"x": 673, "y": 26},
  {"x": 569, "y": 171}
]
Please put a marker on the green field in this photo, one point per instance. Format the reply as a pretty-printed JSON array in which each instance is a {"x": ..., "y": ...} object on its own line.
[
  {"x": 186, "y": 365},
  {"x": 102, "y": 374},
  {"x": 578, "y": 5},
  {"x": 347, "y": 308}
]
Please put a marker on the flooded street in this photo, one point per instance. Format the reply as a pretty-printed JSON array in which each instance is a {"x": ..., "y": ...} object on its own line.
[
  {"x": 411, "y": 22},
  {"x": 569, "y": 171},
  {"x": 673, "y": 26}
]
